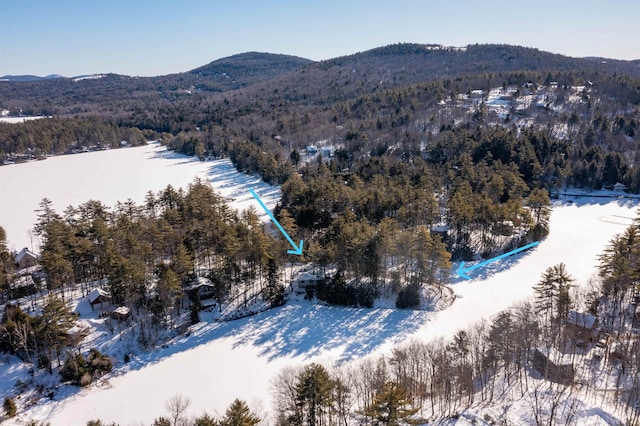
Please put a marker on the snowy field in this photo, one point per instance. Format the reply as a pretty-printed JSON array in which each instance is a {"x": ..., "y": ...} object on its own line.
[
  {"x": 221, "y": 361},
  {"x": 111, "y": 176},
  {"x": 19, "y": 119}
]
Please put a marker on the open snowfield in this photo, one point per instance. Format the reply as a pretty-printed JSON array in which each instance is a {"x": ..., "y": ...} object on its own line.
[
  {"x": 221, "y": 361},
  {"x": 19, "y": 119},
  {"x": 111, "y": 176}
]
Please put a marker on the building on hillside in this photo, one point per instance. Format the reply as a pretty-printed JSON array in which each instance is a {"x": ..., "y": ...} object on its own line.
[
  {"x": 26, "y": 258},
  {"x": 553, "y": 366},
  {"x": 580, "y": 325},
  {"x": 619, "y": 187},
  {"x": 121, "y": 313},
  {"x": 201, "y": 287},
  {"x": 307, "y": 279},
  {"x": 98, "y": 296}
]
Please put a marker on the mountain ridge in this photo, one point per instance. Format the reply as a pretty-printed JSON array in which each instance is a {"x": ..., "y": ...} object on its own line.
[{"x": 254, "y": 58}]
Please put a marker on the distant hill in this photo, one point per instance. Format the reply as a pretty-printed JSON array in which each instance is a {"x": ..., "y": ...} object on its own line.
[
  {"x": 251, "y": 66},
  {"x": 29, "y": 77}
]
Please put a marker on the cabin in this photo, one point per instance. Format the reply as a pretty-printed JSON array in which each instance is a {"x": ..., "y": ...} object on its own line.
[
  {"x": 98, "y": 296},
  {"x": 26, "y": 259},
  {"x": 553, "y": 366},
  {"x": 619, "y": 187},
  {"x": 580, "y": 325},
  {"x": 308, "y": 280},
  {"x": 326, "y": 152},
  {"x": 121, "y": 313},
  {"x": 201, "y": 287}
]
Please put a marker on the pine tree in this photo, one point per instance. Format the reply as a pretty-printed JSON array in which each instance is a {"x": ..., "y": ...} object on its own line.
[
  {"x": 390, "y": 406},
  {"x": 239, "y": 414},
  {"x": 552, "y": 293},
  {"x": 314, "y": 393}
]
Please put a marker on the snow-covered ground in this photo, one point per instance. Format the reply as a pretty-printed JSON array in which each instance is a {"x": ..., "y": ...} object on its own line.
[
  {"x": 111, "y": 176},
  {"x": 218, "y": 362},
  {"x": 20, "y": 119}
]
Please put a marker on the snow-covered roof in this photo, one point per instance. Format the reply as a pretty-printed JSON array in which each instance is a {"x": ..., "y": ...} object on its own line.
[
  {"x": 200, "y": 282},
  {"x": 581, "y": 319},
  {"x": 555, "y": 356},
  {"x": 25, "y": 252},
  {"x": 96, "y": 293},
  {"x": 121, "y": 310}
]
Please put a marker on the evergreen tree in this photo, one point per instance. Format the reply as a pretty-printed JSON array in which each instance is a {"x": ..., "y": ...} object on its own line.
[
  {"x": 391, "y": 406},
  {"x": 239, "y": 414},
  {"x": 552, "y": 293},
  {"x": 314, "y": 394}
]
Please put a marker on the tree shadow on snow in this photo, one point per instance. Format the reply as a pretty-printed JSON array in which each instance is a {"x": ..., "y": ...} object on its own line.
[
  {"x": 299, "y": 329},
  {"x": 307, "y": 330},
  {"x": 491, "y": 269}
]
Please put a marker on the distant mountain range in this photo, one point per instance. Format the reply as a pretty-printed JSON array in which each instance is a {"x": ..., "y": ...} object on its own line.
[
  {"x": 260, "y": 66},
  {"x": 293, "y": 78},
  {"x": 30, "y": 77}
]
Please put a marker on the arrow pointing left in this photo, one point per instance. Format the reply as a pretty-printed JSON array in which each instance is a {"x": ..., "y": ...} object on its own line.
[
  {"x": 464, "y": 272},
  {"x": 297, "y": 250}
]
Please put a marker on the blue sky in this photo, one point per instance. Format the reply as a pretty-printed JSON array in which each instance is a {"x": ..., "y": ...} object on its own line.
[{"x": 154, "y": 37}]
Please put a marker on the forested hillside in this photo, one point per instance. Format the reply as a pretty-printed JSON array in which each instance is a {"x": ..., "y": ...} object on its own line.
[{"x": 389, "y": 142}]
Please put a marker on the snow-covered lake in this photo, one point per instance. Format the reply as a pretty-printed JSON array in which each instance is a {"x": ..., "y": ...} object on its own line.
[
  {"x": 111, "y": 176},
  {"x": 221, "y": 361}
]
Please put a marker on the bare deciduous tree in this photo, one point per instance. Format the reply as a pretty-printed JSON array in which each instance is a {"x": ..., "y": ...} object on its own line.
[{"x": 176, "y": 406}]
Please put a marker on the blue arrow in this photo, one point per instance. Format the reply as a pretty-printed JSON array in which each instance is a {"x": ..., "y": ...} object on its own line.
[
  {"x": 463, "y": 272},
  {"x": 296, "y": 250}
]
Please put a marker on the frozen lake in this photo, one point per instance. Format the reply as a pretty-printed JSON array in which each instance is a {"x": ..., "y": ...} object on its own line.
[{"x": 111, "y": 176}]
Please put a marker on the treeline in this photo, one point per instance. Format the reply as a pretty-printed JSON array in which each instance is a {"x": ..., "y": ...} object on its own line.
[{"x": 54, "y": 136}]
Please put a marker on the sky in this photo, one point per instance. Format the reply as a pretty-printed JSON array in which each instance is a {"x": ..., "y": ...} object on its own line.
[{"x": 156, "y": 37}]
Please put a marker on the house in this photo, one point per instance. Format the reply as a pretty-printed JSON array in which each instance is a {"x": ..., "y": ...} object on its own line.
[
  {"x": 98, "y": 296},
  {"x": 202, "y": 287},
  {"x": 553, "y": 366},
  {"x": 308, "y": 279},
  {"x": 619, "y": 187},
  {"x": 121, "y": 313},
  {"x": 580, "y": 325},
  {"x": 326, "y": 152},
  {"x": 26, "y": 258}
]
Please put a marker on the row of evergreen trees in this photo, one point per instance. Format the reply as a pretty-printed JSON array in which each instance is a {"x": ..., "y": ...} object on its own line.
[{"x": 148, "y": 253}]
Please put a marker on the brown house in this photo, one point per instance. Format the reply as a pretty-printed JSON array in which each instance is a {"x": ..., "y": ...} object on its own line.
[
  {"x": 580, "y": 325},
  {"x": 26, "y": 258},
  {"x": 553, "y": 366},
  {"x": 98, "y": 296}
]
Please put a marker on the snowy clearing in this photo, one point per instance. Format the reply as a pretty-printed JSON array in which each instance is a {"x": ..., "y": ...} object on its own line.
[
  {"x": 14, "y": 120},
  {"x": 111, "y": 176},
  {"x": 218, "y": 362}
]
